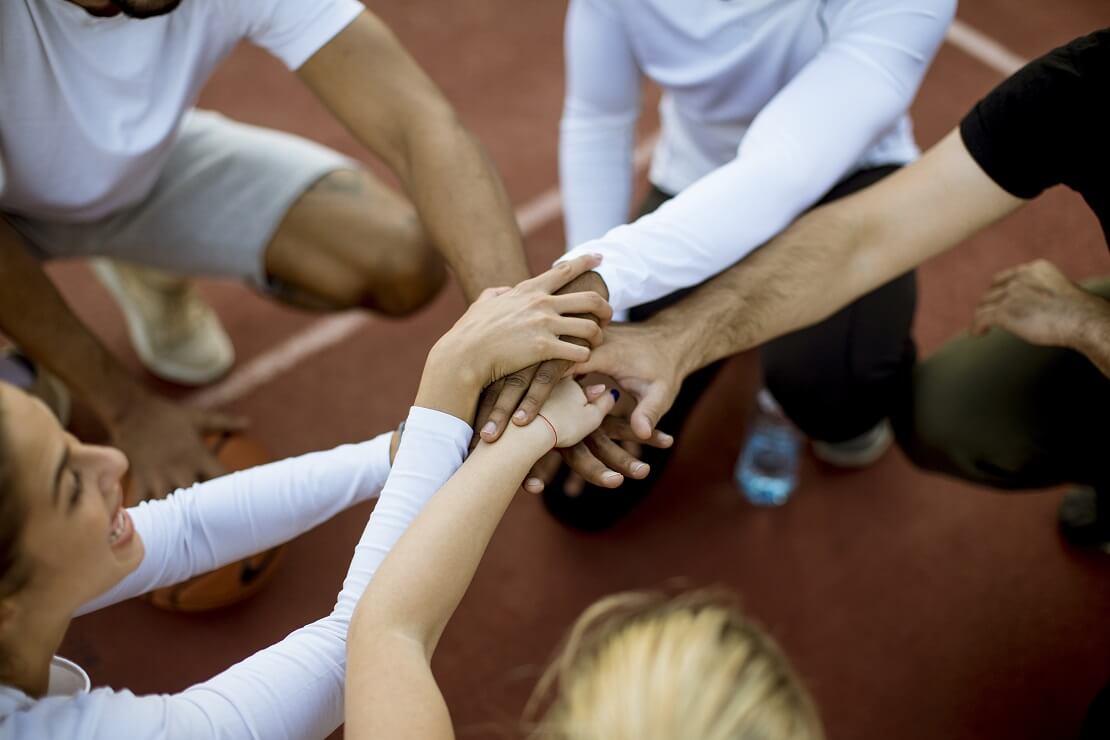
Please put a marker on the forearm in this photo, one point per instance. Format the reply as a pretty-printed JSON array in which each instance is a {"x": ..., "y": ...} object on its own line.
[
  {"x": 802, "y": 277},
  {"x": 420, "y": 584},
  {"x": 244, "y": 513},
  {"x": 464, "y": 207},
  {"x": 36, "y": 317}
]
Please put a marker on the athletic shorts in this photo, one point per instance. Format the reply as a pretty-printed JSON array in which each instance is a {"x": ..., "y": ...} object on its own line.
[{"x": 217, "y": 204}]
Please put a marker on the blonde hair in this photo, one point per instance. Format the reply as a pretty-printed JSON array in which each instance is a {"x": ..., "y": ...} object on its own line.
[{"x": 645, "y": 666}]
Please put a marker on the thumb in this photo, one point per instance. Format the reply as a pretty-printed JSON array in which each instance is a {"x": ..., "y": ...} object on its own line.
[{"x": 650, "y": 410}]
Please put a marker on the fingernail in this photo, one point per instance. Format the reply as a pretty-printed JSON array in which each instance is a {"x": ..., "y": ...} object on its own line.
[
  {"x": 613, "y": 478},
  {"x": 489, "y": 428},
  {"x": 598, "y": 255},
  {"x": 596, "y": 388},
  {"x": 616, "y": 394},
  {"x": 519, "y": 415},
  {"x": 639, "y": 467},
  {"x": 666, "y": 438}
]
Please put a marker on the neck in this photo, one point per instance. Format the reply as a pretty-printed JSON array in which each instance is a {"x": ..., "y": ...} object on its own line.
[{"x": 27, "y": 653}]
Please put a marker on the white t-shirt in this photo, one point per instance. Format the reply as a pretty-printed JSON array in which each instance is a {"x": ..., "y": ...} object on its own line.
[
  {"x": 89, "y": 106},
  {"x": 292, "y": 690},
  {"x": 767, "y": 104}
]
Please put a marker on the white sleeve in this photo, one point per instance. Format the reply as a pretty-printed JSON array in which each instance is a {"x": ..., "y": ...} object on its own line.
[
  {"x": 598, "y": 128},
  {"x": 798, "y": 147},
  {"x": 293, "y": 689},
  {"x": 235, "y": 516},
  {"x": 294, "y": 30}
]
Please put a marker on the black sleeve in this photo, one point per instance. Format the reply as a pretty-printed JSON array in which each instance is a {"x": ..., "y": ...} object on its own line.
[{"x": 1039, "y": 128}]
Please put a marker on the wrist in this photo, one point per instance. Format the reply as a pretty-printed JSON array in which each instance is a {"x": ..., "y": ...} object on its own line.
[
  {"x": 1092, "y": 332},
  {"x": 449, "y": 383},
  {"x": 589, "y": 281},
  {"x": 533, "y": 441},
  {"x": 683, "y": 348}
]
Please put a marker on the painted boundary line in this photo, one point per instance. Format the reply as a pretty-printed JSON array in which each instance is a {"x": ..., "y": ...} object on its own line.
[{"x": 532, "y": 216}]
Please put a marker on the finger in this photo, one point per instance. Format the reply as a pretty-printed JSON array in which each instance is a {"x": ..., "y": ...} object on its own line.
[
  {"x": 485, "y": 406},
  {"x": 594, "y": 392},
  {"x": 513, "y": 389},
  {"x": 566, "y": 352},
  {"x": 985, "y": 319},
  {"x": 583, "y": 302},
  {"x": 215, "y": 421},
  {"x": 616, "y": 457},
  {"x": 586, "y": 464},
  {"x": 543, "y": 472},
  {"x": 574, "y": 485},
  {"x": 617, "y": 427},
  {"x": 585, "y": 329},
  {"x": 605, "y": 360},
  {"x": 650, "y": 410},
  {"x": 604, "y": 403},
  {"x": 562, "y": 273},
  {"x": 548, "y": 374}
]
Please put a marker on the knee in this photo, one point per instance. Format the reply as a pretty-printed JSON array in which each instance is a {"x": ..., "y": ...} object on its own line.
[
  {"x": 411, "y": 280},
  {"x": 942, "y": 429}
]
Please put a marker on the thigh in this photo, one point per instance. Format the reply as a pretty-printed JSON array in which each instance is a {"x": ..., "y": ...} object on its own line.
[
  {"x": 999, "y": 411},
  {"x": 350, "y": 240},
  {"x": 214, "y": 207}
]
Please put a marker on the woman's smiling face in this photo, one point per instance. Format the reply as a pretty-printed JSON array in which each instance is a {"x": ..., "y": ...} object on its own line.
[{"x": 77, "y": 540}]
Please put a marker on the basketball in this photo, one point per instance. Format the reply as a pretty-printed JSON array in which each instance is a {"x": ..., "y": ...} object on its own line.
[{"x": 237, "y": 581}]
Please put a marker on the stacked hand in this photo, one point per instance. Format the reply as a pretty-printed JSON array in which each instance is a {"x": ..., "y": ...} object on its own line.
[
  {"x": 510, "y": 328},
  {"x": 1038, "y": 303}
]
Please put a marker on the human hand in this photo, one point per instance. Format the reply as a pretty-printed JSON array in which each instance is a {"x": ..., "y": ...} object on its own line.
[
  {"x": 572, "y": 412},
  {"x": 510, "y": 328},
  {"x": 604, "y": 458},
  {"x": 523, "y": 392},
  {"x": 1039, "y": 304},
  {"x": 164, "y": 446},
  {"x": 645, "y": 362}
]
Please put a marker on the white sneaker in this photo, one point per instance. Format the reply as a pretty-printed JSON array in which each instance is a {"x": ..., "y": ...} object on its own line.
[
  {"x": 177, "y": 336},
  {"x": 858, "y": 452}
]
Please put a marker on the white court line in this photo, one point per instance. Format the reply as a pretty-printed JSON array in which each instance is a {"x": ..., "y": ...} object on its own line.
[
  {"x": 982, "y": 47},
  {"x": 532, "y": 216},
  {"x": 330, "y": 331}
]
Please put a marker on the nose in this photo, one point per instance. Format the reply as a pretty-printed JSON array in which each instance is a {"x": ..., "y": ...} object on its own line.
[{"x": 111, "y": 465}]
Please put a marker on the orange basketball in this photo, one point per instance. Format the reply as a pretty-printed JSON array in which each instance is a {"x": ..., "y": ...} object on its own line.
[{"x": 237, "y": 581}]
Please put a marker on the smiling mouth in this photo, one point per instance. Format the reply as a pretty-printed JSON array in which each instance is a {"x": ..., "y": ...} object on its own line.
[{"x": 121, "y": 527}]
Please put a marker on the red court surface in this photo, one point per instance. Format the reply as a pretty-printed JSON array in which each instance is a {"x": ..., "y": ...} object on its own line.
[{"x": 914, "y": 607}]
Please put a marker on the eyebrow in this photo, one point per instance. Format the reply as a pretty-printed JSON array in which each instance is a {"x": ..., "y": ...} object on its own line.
[{"x": 58, "y": 473}]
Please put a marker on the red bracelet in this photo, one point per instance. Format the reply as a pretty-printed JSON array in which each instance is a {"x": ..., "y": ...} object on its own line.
[{"x": 553, "y": 432}]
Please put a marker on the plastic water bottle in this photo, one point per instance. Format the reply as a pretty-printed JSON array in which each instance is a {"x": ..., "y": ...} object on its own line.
[{"x": 767, "y": 471}]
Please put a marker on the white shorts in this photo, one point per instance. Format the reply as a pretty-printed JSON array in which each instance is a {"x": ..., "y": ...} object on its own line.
[{"x": 221, "y": 196}]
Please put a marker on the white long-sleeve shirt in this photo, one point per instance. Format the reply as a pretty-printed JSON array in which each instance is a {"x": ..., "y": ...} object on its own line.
[
  {"x": 767, "y": 104},
  {"x": 293, "y": 689}
]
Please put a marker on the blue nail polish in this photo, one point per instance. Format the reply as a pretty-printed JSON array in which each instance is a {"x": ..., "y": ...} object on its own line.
[{"x": 616, "y": 394}]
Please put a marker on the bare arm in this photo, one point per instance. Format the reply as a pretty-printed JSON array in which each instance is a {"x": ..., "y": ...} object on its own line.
[
  {"x": 378, "y": 91},
  {"x": 821, "y": 263},
  {"x": 405, "y": 609}
]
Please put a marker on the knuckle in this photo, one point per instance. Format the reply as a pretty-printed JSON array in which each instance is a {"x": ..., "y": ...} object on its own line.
[{"x": 516, "y": 380}]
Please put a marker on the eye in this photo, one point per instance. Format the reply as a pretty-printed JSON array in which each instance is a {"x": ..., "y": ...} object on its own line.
[{"x": 76, "y": 489}]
